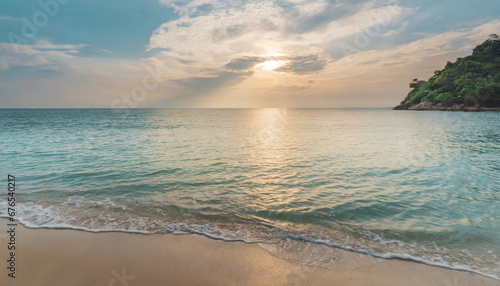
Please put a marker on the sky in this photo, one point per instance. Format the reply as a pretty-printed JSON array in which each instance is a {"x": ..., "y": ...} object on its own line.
[{"x": 230, "y": 53}]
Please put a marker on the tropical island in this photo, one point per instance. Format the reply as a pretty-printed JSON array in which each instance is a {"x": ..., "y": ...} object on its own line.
[{"x": 469, "y": 84}]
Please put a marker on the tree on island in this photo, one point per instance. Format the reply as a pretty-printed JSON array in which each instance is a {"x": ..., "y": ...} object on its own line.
[{"x": 473, "y": 81}]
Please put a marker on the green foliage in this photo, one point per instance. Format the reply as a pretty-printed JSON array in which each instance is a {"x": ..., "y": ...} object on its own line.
[
  {"x": 473, "y": 80},
  {"x": 446, "y": 98}
]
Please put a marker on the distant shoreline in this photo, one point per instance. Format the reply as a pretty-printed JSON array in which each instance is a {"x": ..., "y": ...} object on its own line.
[{"x": 423, "y": 106}]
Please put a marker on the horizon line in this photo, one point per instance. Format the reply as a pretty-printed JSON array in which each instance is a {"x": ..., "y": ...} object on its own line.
[{"x": 163, "y": 108}]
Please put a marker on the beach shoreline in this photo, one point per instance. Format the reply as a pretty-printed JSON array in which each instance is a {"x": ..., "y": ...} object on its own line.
[{"x": 74, "y": 257}]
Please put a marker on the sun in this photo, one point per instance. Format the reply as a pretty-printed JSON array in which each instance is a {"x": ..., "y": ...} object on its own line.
[{"x": 271, "y": 65}]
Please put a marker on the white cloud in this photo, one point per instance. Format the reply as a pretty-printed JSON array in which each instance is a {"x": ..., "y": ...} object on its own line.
[
  {"x": 189, "y": 7},
  {"x": 262, "y": 28},
  {"x": 463, "y": 40},
  {"x": 310, "y": 8},
  {"x": 220, "y": 31},
  {"x": 45, "y": 55},
  {"x": 374, "y": 77},
  {"x": 198, "y": 44},
  {"x": 194, "y": 50},
  {"x": 365, "y": 21}
]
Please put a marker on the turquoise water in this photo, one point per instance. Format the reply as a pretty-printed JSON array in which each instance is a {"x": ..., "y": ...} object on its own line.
[{"x": 408, "y": 184}]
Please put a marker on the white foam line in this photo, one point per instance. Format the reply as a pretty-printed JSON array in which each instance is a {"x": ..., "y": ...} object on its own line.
[
  {"x": 67, "y": 226},
  {"x": 388, "y": 255},
  {"x": 175, "y": 232}
]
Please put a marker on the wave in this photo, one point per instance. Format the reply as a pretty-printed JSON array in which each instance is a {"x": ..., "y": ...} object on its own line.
[
  {"x": 436, "y": 261},
  {"x": 47, "y": 218}
]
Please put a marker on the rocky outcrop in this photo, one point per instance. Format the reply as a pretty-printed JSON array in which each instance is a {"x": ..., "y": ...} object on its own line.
[
  {"x": 441, "y": 107},
  {"x": 471, "y": 83}
]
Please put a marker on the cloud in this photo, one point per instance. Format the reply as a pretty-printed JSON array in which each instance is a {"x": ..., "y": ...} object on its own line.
[
  {"x": 43, "y": 55},
  {"x": 463, "y": 40},
  {"x": 221, "y": 79},
  {"x": 303, "y": 64},
  {"x": 244, "y": 63},
  {"x": 197, "y": 7},
  {"x": 264, "y": 26},
  {"x": 212, "y": 34},
  {"x": 246, "y": 33},
  {"x": 298, "y": 64},
  {"x": 396, "y": 31},
  {"x": 243, "y": 51},
  {"x": 232, "y": 40},
  {"x": 290, "y": 89},
  {"x": 306, "y": 16}
]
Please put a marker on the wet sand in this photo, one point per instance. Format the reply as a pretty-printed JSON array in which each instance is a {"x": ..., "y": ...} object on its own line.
[{"x": 72, "y": 257}]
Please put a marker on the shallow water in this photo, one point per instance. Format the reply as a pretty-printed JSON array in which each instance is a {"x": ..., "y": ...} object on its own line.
[{"x": 411, "y": 184}]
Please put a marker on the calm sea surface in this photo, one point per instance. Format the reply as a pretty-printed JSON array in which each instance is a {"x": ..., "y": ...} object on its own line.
[{"x": 415, "y": 185}]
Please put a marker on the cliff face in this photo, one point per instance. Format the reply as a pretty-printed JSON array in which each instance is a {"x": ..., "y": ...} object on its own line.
[{"x": 469, "y": 84}]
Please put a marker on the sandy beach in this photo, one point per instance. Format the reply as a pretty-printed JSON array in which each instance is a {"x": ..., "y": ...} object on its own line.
[
  {"x": 257, "y": 142},
  {"x": 72, "y": 257}
]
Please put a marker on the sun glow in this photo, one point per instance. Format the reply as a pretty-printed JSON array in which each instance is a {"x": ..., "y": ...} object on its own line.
[{"x": 271, "y": 65}]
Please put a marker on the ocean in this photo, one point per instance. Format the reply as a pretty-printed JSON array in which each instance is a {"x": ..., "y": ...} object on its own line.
[{"x": 416, "y": 185}]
